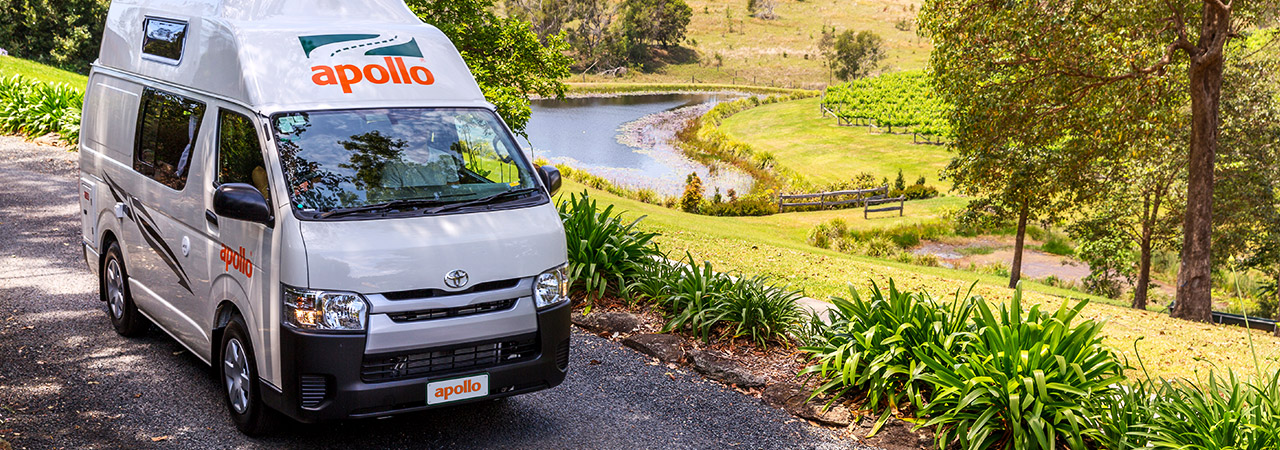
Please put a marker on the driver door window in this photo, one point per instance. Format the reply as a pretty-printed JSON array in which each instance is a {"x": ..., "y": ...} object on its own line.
[{"x": 239, "y": 154}]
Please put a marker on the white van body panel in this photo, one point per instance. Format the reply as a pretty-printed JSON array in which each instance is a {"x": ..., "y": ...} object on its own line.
[{"x": 357, "y": 256}]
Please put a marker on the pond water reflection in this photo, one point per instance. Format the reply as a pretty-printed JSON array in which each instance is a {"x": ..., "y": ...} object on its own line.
[{"x": 625, "y": 139}]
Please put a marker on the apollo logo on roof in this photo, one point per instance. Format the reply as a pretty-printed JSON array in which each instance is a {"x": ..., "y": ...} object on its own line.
[{"x": 392, "y": 68}]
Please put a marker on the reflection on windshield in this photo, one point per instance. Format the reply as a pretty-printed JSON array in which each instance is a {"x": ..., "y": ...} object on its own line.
[{"x": 348, "y": 159}]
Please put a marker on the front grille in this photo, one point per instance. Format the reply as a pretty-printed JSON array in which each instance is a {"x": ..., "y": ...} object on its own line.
[
  {"x": 562, "y": 355},
  {"x": 431, "y": 293},
  {"x": 313, "y": 389},
  {"x": 431, "y": 362},
  {"x": 443, "y": 313}
]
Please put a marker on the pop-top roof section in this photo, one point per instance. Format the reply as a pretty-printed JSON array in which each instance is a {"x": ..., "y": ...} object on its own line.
[{"x": 279, "y": 55}]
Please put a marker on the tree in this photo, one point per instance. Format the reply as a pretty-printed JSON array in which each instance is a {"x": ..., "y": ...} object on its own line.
[
  {"x": 645, "y": 23},
  {"x": 1247, "y": 228},
  {"x": 1011, "y": 182},
  {"x": 504, "y": 54},
  {"x": 857, "y": 54},
  {"x": 1138, "y": 199},
  {"x": 546, "y": 17},
  {"x": 1065, "y": 70},
  {"x": 591, "y": 39},
  {"x": 762, "y": 9},
  {"x": 66, "y": 33}
]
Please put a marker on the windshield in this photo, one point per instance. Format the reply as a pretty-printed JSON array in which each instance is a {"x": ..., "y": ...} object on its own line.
[{"x": 339, "y": 160}]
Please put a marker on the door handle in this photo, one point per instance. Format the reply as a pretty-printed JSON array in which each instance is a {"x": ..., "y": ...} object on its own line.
[{"x": 210, "y": 217}]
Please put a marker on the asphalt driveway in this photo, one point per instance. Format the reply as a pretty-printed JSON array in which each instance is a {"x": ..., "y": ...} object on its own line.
[{"x": 67, "y": 380}]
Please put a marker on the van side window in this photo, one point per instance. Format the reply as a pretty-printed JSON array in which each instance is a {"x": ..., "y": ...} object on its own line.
[
  {"x": 239, "y": 154},
  {"x": 167, "y": 128},
  {"x": 164, "y": 39}
]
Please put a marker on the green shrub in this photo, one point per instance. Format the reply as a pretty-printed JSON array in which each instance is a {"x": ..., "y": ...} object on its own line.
[
  {"x": 1220, "y": 413},
  {"x": 1022, "y": 383},
  {"x": 915, "y": 192},
  {"x": 751, "y": 205},
  {"x": 1123, "y": 416},
  {"x": 868, "y": 345},
  {"x": 33, "y": 108},
  {"x": 1058, "y": 246},
  {"x": 881, "y": 247},
  {"x": 692, "y": 198},
  {"x": 927, "y": 260},
  {"x": 698, "y": 300},
  {"x": 604, "y": 250},
  {"x": 760, "y": 311}
]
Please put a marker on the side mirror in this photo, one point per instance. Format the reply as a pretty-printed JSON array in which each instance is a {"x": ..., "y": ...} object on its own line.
[
  {"x": 550, "y": 178},
  {"x": 242, "y": 201}
]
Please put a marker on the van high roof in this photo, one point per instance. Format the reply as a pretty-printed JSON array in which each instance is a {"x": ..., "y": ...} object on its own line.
[{"x": 289, "y": 55}]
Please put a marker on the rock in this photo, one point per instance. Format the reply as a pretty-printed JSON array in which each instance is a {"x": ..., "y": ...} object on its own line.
[
  {"x": 838, "y": 415},
  {"x": 724, "y": 369},
  {"x": 51, "y": 139},
  {"x": 607, "y": 322},
  {"x": 784, "y": 395},
  {"x": 662, "y": 346},
  {"x": 791, "y": 397}
]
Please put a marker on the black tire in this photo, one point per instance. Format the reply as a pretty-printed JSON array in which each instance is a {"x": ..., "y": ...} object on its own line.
[
  {"x": 113, "y": 289},
  {"x": 250, "y": 415}
]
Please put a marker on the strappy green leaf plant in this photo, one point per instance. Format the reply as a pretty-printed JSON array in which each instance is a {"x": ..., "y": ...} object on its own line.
[
  {"x": 868, "y": 345},
  {"x": 1022, "y": 381}
]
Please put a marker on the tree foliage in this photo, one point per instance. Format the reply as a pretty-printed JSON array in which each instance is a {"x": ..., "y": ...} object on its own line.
[
  {"x": 505, "y": 55},
  {"x": 857, "y": 54},
  {"x": 65, "y": 33},
  {"x": 1247, "y": 227}
]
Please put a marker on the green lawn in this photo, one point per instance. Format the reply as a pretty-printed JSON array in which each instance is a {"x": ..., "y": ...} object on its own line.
[
  {"x": 802, "y": 140},
  {"x": 10, "y": 65}
]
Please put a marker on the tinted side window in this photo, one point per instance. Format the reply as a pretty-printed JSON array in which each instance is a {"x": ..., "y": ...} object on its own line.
[
  {"x": 167, "y": 130},
  {"x": 239, "y": 155},
  {"x": 164, "y": 38}
]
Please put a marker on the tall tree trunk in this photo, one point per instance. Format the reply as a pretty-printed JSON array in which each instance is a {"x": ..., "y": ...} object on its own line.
[
  {"x": 1015, "y": 272},
  {"x": 1275, "y": 315},
  {"x": 1194, "y": 297},
  {"x": 1150, "y": 217},
  {"x": 1144, "y": 269}
]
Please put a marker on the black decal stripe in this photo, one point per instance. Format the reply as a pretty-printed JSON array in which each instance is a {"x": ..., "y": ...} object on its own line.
[
  {"x": 161, "y": 248},
  {"x": 149, "y": 233},
  {"x": 114, "y": 188}
]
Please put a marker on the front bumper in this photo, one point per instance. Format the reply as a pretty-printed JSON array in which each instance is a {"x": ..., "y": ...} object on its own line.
[{"x": 329, "y": 365}]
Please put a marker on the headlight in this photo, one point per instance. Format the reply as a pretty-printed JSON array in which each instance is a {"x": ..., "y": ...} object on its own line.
[
  {"x": 551, "y": 288},
  {"x": 324, "y": 310}
]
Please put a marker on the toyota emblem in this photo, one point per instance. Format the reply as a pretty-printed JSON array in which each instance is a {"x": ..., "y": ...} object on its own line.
[{"x": 456, "y": 279}]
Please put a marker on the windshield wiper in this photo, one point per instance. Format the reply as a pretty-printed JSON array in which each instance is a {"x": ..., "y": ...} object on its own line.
[
  {"x": 386, "y": 206},
  {"x": 480, "y": 201}
]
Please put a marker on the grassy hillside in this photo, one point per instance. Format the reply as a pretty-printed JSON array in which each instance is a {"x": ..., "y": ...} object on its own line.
[
  {"x": 10, "y": 66},
  {"x": 783, "y": 51},
  {"x": 774, "y": 245},
  {"x": 802, "y": 140}
]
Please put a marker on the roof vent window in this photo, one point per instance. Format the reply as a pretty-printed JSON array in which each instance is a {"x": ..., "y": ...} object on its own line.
[{"x": 164, "y": 40}]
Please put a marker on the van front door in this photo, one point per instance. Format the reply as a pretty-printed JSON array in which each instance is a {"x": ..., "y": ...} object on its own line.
[{"x": 240, "y": 271}]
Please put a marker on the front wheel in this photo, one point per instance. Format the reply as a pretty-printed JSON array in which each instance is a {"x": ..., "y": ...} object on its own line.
[
  {"x": 239, "y": 374},
  {"x": 114, "y": 288}
]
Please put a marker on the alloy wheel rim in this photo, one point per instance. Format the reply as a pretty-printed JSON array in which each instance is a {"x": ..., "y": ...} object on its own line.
[
  {"x": 235, "y": 375},
  {"x": 115, "y": 289}
]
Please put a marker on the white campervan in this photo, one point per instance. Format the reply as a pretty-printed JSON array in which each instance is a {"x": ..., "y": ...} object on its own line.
[{"x": 314, "y": 197}]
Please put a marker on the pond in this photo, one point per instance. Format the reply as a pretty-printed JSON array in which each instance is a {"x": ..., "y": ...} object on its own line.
[{"x": 627, "y": 139}]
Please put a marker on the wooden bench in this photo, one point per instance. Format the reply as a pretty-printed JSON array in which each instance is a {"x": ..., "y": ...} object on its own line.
[{"x": 867, "y": 207}]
